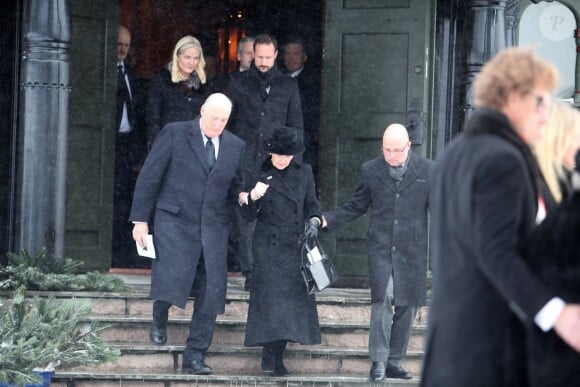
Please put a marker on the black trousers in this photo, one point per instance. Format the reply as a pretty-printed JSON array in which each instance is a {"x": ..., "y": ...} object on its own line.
[{"x": 201, "y": 326}]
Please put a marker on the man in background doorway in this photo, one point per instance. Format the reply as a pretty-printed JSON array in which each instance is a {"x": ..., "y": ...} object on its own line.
[
  {"x": 130, "y": 151},
  {"x": 295, "y": 59}
]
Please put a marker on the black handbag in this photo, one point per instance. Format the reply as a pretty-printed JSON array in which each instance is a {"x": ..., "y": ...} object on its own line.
[{"x": 317, "y": 268}]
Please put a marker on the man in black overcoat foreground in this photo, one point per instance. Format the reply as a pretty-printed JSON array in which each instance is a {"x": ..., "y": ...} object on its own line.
[
  {"x": 190, "y": 175},
  {"x": 485, "y": 202},
  {"x": 395, "y": 186}
]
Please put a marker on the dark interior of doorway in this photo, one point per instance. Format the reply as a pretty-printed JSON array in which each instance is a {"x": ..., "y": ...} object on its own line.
[
  {"x": 9, "y": 38},
  {"x": 157, "y": 25}
]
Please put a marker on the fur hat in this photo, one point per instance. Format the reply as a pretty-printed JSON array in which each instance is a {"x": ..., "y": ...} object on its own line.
[{"x": 284, "y": 141}]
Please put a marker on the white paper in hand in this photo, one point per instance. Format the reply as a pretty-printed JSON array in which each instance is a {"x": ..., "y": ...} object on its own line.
[{"x": 148, "y": 251}]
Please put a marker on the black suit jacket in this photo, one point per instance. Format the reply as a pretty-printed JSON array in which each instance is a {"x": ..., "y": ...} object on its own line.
[
  {"x": 189, "y": 205},
  {"x": 483, "y": 208},
  {"x": 134, "y": 143}
]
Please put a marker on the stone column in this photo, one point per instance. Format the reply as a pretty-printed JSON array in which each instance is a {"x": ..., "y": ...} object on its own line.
[
  {"x": 486, "y": 37},
  {"x": 43, "y": 127},
  {"x": 512, "y": 12}
]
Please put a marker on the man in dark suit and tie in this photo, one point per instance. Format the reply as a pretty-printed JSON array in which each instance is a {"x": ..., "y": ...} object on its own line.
[
  {"x": 185, "y": 185},
  {"x": 130, "y": 151}
]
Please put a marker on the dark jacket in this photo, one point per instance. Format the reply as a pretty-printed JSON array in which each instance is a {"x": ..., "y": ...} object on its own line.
[
  {"x": 132, "y": 145},
  {"x": 280, "y": 308},
  {"x": 256, "y": 114},
  {"x": 397, "y": 234},
  {"x": 189, "y": 205},
  {"x": 309, "y": 86},
  {"x": 553, "y": 254},
  {"x": 167, "y": 102},
  {"x": 483, "y": 208}
]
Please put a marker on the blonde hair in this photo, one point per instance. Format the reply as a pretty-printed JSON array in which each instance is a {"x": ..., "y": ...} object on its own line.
[
  {"x": 562, "y": 128},
  {"x": 183, "y": 44},
  {"x": 512, "y": 70}
]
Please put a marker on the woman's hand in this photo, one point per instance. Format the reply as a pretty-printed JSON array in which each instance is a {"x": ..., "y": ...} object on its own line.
[
  {"x": 243, "y": 198},
  {"x": 258, "y": 191}
]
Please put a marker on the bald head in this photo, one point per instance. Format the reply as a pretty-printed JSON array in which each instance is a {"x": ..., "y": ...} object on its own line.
[
  {"x": 214, "y": 114},
  {"x": 123, "y": 43},
  {"x": 396, "y": 145}
]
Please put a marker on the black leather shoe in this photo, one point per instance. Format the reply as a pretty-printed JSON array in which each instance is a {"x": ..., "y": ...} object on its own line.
[
  {"x": 158, "y": 335},
  {"x": 280, "y": 370},
  {"x": 196, "y": 367},
  {"x": 377, "y": 372},
  {"x": 268, "y": 364},
  {"x": 248, "y": 283},
  {"x": 398, "y": 373}
]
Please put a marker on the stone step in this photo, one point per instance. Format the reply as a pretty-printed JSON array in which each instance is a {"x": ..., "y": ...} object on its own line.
[
  {"x": 243, "y": 360},
  {"x": 332, "y": 304},
  {"x": 169, "y": 378},
  {"x": 348, "y": 334}
]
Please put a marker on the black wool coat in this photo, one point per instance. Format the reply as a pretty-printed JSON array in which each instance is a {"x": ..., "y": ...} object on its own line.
[
  {"x": 553, "y": 254},
  {"x": 483, "y": 208},
  {"x": 189, "y": 205},
  {"x": 136, "y": 149},
  {"x": 280, "y": 308},
  {"x": 168, "y": 103},
  {"x": 256, "y": 114},
  {"x": 397, "y": 234}
]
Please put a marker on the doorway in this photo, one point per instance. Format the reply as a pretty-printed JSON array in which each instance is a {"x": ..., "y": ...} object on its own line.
[{"x": 156, "y": 26}]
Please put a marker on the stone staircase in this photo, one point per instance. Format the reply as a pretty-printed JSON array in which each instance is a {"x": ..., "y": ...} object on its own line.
[{"x": 341, "y": 359}]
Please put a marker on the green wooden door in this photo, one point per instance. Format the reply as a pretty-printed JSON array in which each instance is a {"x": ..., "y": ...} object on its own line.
[
  {"x": 91, "y": 133},
  {"x": 375, "y": 71}
]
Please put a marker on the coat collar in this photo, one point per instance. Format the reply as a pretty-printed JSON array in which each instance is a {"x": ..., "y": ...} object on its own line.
[
  {"x": 197, "y": 145},
  {"x": 270, "y": 173},
  {"x": 410, "y": 176}
]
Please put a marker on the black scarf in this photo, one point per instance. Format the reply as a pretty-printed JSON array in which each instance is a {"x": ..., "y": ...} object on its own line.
[
  {"x": 264, "y": 78},
  {"x": 191, "y": 83},
  {"x": 489, "y": 121}
]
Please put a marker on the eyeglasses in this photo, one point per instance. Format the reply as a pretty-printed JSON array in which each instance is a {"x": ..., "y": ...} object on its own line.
[
  {"x": 396, "y": 150},
  {"x": 541, "y": 102}
]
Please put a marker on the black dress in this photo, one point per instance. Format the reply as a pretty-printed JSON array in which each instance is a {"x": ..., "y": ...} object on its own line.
[{"x": 280, "y": 308}]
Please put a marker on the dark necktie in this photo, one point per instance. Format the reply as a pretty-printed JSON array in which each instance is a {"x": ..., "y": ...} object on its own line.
[
  {"x": 210, "y": 150},
  {"x": 123, "y": 96}
]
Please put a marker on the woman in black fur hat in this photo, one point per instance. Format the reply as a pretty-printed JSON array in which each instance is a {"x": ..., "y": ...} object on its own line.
[{"x": 282, "y": 200}]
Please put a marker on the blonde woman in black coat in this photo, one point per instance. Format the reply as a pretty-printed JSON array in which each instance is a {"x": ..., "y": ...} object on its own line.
[
  {"x": 282, "y": 200},
  {"x": 177, "y": 92}
]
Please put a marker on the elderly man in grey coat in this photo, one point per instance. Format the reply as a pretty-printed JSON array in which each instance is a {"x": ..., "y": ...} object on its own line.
[
  {"x": 396, "y": 188},
  {"x": 191, "y": 173}
]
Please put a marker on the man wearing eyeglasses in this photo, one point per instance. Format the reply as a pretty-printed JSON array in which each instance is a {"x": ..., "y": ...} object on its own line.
[
  {"x": 485, "y": 203},
  {"x": 395, "y": 186}
]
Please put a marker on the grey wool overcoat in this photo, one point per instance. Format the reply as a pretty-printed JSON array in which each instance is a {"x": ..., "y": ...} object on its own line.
[
  {"x": 397, "y": 234},
  {"x": 188, "y": 204}
]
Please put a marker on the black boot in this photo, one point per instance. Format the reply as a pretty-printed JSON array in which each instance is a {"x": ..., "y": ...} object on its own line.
[
  {"x": 279, "y": 368},
  {"x": 268, "y": 364},
  {"x": 158, "y": 333}
]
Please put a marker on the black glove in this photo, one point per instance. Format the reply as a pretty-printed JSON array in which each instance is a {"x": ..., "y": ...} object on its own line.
[{"x": 311, "y": 229}]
